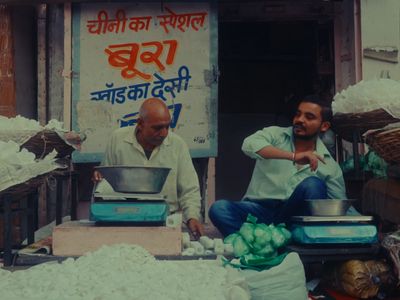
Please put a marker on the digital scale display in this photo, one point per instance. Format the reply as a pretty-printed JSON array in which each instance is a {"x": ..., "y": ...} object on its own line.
[{"x": 126, "y": 210}]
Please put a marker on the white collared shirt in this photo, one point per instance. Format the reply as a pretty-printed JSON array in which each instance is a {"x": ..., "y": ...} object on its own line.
[{"x": 182, "y": 184}]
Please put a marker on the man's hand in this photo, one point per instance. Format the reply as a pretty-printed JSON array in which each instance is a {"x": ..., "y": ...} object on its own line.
[
  {"x": 96, "y": 177},
  {"x": 196, "y": 228},
  {"x": 308, "y": 157}
]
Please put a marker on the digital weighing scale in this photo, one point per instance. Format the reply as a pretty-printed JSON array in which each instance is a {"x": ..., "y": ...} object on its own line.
[
  {"x": 129, "y": 208},
  {"x": 346, "y": 229},
  {"x": 130, "y": 195}
]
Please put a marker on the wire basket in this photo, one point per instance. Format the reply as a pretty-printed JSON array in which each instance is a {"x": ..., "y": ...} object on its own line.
[
  {"x": 346, "y": 124},
  {"x": 22, "y": 189},
  {"x": 45, "y": 141},
  {"x": 386, "y": 143}
]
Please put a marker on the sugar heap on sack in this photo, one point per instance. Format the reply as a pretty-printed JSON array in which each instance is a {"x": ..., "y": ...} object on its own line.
[
  {"x": 19, "y": 165},
  {"x": 122, "y": 272},
  {"x": 369, "y": 95},
  {"x": 11, "y": 154}
]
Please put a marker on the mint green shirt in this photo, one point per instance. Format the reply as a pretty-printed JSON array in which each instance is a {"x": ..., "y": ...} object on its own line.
[
  {"x": 182, "y": 184},
  {"x": 277, "y": 178}
]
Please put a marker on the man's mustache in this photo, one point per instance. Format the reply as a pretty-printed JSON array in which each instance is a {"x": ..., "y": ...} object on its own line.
[{"x": 299, "y": 126}]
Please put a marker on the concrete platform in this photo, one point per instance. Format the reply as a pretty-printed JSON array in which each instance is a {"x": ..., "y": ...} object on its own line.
[{"x": 76, "y": 238}]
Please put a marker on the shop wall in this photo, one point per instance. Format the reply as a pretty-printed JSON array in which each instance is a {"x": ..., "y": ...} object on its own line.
[
  {"x": 345, "y": 45},
  {"x": 380, "y": 37}
]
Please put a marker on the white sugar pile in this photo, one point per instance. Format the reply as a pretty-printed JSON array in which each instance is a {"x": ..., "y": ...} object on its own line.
[
  {"x": 11, "y": 153},
  {"x": 369, "y": 95},
  {"x": 117, "y": 272},
  {"x": 21, "y": 123}
]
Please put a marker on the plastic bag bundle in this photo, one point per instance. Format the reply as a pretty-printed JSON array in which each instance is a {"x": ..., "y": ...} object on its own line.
[
  {"x": 376, "y": 164},
  {"x": 361, "y": 279},
  {"x": 258, "y": 244},
  {"x": 240, "y": 247},
  {"x": 391, "y": 243},
  {"x": 370, "y": 162}
]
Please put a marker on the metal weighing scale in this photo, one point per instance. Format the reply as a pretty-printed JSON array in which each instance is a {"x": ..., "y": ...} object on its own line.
[
  {"x": 129, "y": 208},
  {"x": 120, "y": 204},
  {"x": 309, "y": 230}
]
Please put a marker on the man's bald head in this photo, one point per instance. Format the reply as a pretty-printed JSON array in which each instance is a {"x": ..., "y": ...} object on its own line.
[
  {"x": 153, "y": 107},
  {"x": 153, "y": 123}
]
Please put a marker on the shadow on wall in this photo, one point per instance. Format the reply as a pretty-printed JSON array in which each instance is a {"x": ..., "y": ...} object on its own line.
[{"x": 233, "y": 167}]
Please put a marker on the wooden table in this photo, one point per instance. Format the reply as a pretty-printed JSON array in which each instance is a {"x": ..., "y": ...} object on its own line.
[
  {"x": 18, "y": 193},
  {"x": 28, "y": 190}
]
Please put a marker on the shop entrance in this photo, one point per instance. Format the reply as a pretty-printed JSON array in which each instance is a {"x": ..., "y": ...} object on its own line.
[{"x": 265, "y": 68}]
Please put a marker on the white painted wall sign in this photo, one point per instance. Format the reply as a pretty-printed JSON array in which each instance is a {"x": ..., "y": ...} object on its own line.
[{"x": 124, "y": 53}]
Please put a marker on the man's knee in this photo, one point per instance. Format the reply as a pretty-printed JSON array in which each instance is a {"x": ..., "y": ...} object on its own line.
[
  {"x": 313, "y": 183},
  {"x": 313, "y": 188},
  {"x": 218, "y": 208}
]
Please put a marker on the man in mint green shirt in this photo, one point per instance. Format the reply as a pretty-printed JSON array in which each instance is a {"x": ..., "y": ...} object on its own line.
[{"x": 292, "y": 165}]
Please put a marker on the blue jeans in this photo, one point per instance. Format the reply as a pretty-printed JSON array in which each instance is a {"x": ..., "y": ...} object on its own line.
[{"x": 228, "y": 215}]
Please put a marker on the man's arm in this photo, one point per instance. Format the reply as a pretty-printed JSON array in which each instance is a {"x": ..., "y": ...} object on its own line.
[
  {"x": 257, "y": 141},
  {"x": 269, "y": 152},
  {"x": 189, "y": 192},
  {"x": 301, "y": 158},
  {"x": 107, "y": 159},
  {"x": 261, "y": 145},
  {"x": 336, "y": 186}
]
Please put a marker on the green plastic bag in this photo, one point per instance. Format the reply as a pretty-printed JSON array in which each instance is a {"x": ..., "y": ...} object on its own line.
[
  {"x": 262, "y": 234},
  {"x": 286, "y": 233},
  {"x": 247, "y": 232},
  {"x": 255, "y": 262},
  {"x": 240, "y": 247},
  {"x": 230, "y": 238},
  {"x": 370, "y": 162},
  {"x": 278, "y": 239},
  {"x": 267, "y": 251},
  {"x": 262, "y": 262},
  {"x": 376, "y": 164},
  {"x": 258, "y": 245}
]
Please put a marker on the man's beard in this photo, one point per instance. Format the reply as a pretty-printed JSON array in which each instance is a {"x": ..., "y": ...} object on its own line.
[
  {"x": 156, "y": 141},
  {"x": 304, "y": 137}
]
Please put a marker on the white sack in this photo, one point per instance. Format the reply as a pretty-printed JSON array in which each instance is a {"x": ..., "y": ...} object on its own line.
[{"x": 282, "y": 282}]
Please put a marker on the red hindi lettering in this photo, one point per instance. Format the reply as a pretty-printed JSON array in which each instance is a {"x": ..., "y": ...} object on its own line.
[
  {"x": 140, "y": 23},
  {"x": 168, "y": 20},
  {"x": 183, "y": 21},
  {"x": 125, "y": 58},
  {"x": 114, "y": 25},
  {"x": 153, "y": 57},
  {"x": 100, "y": 25},
  {"x": 198, "y": 19},
  {"x": 173, "y": 45}
]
